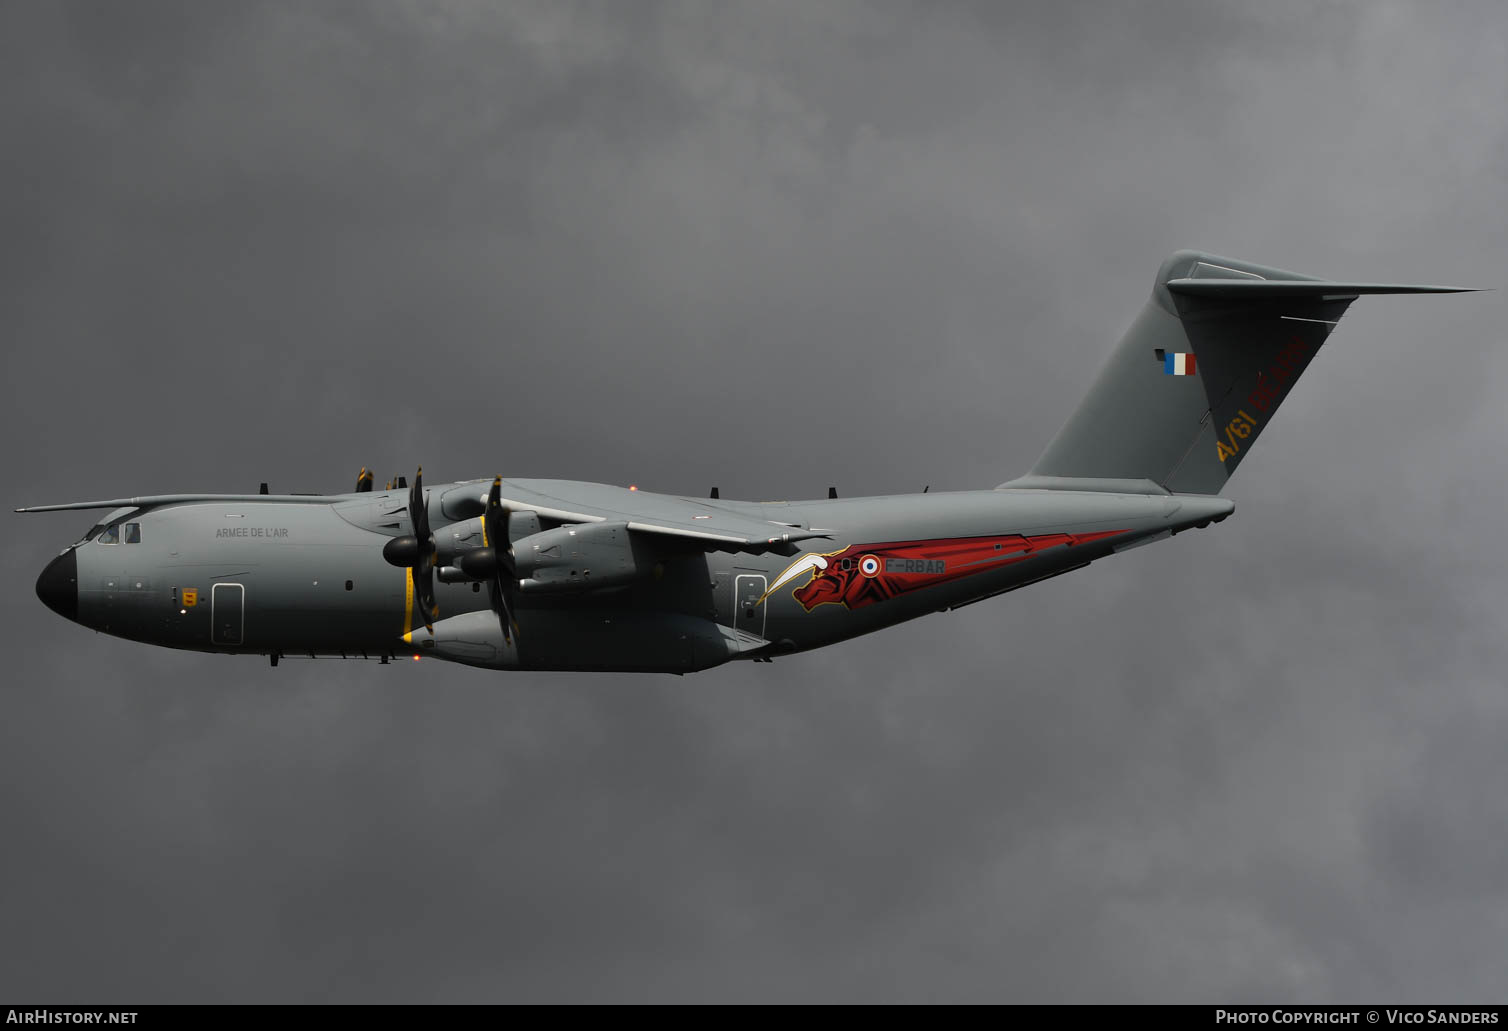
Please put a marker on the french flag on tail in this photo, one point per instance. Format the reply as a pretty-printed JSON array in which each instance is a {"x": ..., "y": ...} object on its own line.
[{"x": 1177, "y": 363}]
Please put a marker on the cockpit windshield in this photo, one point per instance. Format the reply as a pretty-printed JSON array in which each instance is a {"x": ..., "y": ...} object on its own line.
[{"x": 110, "y": 536}]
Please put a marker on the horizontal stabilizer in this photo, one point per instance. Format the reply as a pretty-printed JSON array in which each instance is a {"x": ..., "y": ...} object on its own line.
[{"x": 1260, "y": 289}]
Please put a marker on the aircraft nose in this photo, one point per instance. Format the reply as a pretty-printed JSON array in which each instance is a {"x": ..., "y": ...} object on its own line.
[{"x": 58, "y": 586}]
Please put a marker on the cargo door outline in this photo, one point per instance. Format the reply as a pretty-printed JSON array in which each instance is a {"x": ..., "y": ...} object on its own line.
[
  {"x": 227, "y": 620},
  {"x": 748, "y": 613}
]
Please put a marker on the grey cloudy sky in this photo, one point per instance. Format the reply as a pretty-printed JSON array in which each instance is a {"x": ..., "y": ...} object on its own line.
[{"x": 767, "y": 246}]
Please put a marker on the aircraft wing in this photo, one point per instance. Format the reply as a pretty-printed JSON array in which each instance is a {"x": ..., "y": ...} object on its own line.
[
  {"x": 697, "y": 523},
  {"x": 702, "y": 524},
  {"x": 156, "y": 500}
]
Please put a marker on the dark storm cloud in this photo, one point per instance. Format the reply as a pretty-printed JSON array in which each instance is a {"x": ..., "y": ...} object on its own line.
[{"x": 770, "y": 247}]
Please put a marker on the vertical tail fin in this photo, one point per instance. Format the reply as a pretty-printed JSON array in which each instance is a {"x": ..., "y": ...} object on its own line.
[{"x": 1199, "y": 374}]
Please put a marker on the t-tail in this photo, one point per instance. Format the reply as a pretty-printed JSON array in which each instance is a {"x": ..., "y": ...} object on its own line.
[{"x": 1198, "y": 376}]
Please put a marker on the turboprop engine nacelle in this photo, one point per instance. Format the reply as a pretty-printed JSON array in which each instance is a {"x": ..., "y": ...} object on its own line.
[
  {"x": 579, "y": 557},
  {"x": 472, "y": 638},
  {"x": 462, "y": 555}
]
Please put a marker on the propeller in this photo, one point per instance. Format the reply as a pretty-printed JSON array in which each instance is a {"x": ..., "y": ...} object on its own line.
[
  {"x": 416, "y": 551},
  {"x": 493, "y": 561}
]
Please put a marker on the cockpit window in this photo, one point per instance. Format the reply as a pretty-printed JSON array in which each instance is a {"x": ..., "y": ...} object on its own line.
[
  {"x": 89, "y": 534},
  {"x": 110, "y": 536},
  {"x": 131, "y": 533}
]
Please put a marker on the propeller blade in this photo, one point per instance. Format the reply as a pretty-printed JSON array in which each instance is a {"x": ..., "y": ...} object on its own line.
[
  {"x": 504, "y": 572},
  {"x": 504, "y": 585},
  {"x": 495, "y": 527},
  {"x": 418, "y": 512},
  {"x": 364, "y": 481},
  {"x": 424, "y": 567}
]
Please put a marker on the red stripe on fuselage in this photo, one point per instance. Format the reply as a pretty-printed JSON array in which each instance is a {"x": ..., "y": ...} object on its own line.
[{"x": 907, "y": 566}]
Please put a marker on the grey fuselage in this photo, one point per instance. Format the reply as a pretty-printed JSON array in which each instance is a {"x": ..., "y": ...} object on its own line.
[{"x": 305, "y": 575}]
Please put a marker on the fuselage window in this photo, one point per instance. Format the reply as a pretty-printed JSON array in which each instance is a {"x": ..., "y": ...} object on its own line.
[
  {"x": 132, "y": 533},
  {"x": 110, "y": 536}
]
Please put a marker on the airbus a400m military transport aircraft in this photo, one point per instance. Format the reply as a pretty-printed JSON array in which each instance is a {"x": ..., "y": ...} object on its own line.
[{"x": 560, "y": 575}]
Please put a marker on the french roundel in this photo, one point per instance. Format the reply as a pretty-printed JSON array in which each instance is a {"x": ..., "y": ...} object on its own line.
[{"x": 869, "y": 566}]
